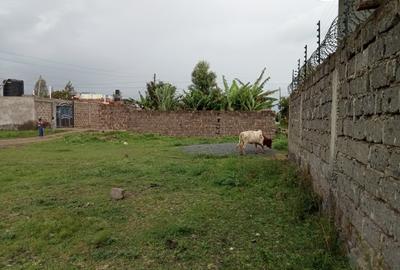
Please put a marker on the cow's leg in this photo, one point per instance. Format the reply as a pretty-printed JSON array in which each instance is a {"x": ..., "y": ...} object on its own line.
[
  {"x": 242, "y": 148},
  {"x": 256, "y": 145}
]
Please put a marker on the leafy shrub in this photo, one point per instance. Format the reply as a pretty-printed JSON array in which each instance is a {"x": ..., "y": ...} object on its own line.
[
  {"x": 204, "y": 94},
  {"x": 280, "y": 142},
  {"x": 283, "y": 114},
  {"x": 248, "y": 97},
  {"x": 159, "y": 96}
]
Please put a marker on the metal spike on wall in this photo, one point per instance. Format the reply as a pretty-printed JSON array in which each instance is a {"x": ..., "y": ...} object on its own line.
[
  {"x": 305, "y": 61},
  {"x": 319, "y": 41}
]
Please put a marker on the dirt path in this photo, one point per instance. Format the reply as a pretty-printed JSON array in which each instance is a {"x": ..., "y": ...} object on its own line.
[
  {"x": 23, "y": 141},
  {"x": 224, "y": 149}
]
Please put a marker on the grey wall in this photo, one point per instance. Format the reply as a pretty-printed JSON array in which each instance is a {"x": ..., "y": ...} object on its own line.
[
  {"x": 349, "y": 17},
  {"x": 16, "y": 111},
  {"x": 344, "y": 129},
  {"x": 23, "y": 112}
]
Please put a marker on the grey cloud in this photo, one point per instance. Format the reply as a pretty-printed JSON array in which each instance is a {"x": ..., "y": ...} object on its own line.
[{"x": 133, "y": 39}]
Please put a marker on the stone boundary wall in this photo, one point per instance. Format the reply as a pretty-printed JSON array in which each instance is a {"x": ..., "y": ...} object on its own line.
[
  {"x": 203, "y": 123},
  {"x": 344, "y": 129},
  {"x": 179, "y": 123},
  {"x": 86, "y": 115},
  {"x": 45, "y": 109}
]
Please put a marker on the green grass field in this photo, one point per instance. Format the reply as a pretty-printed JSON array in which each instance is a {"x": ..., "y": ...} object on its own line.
[
  {"x": 13, "y": 134},
  {"x": 182, "y": 211}
]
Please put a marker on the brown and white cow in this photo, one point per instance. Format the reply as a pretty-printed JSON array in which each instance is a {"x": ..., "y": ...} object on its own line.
[{"x": 253, "y": 137}]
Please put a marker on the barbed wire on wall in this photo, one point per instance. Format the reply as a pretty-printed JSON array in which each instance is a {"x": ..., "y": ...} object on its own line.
[
  {"x": 341, "y": 26},
  {"x": 323, "y": 51}
]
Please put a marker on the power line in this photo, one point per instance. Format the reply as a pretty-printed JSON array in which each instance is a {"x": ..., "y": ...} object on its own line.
[
  {"x": 65, "y": 64},
  {"x": 93, "y": 82},
  {"x": 59, "y": 67}
]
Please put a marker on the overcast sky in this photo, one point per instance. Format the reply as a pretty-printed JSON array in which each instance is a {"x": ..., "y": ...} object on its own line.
[{"x": 102, "y": 45}]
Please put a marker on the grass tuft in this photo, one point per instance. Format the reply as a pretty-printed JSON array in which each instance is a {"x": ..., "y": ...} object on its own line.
[{"x": 280, "y": 142}]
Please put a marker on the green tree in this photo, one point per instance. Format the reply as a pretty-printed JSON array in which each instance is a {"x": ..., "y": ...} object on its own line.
[
  {"x": 67, "y": 93},
  {"x": 41, "y": 89},
  {"x": 203, "y": 93},
  {"x": 284, "y": 110},
  {"x": 159, "y": 96},
  {"x": 61, "y": 94},
  {"x": 203, "y": 78},
  {"x": 149, "y": 100},
  {"x": 70, "y": 88},
  {"x": 232, "y": 95},
  {"x": 167, "y": 97},
  {"x": 241, "y": 96}
]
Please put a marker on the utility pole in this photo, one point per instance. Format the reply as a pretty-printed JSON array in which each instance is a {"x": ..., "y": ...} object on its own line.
[
  {"x": 155, "y": 78},
  {"x": 280, "y": 93}
]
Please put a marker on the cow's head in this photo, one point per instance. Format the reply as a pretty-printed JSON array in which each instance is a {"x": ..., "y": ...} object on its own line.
[{"x": 267, "y": 142}]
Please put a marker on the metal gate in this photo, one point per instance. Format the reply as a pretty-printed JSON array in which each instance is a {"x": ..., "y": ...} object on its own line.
[{"x": 65, "y": 116}]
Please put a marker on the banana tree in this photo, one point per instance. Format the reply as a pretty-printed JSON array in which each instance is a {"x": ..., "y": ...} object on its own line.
[{"x": 248, "y": 97}]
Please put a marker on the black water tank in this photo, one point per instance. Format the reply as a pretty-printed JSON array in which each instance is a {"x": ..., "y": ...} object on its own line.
[
  {"x": 13, "y": 88},
  {"x": 117, "y": 95}
]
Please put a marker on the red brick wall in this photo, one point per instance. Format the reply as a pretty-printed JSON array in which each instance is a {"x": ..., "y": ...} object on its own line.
[{"x": 179, "y": 123}]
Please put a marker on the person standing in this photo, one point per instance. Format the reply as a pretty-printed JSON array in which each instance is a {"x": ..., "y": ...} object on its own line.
[{"x": 41, "y": 127}]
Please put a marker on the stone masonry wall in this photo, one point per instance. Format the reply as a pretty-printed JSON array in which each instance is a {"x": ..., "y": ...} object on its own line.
[
  {"x": 87, "y": 115},
  {"x": 344, "y": 129},
  {"x": 203, "y": 123},
  {"x": 180, "y": 123},
  {"x": 44, "y": 109}
]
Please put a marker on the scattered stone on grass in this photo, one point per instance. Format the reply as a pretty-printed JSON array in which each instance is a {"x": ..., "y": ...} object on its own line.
[
  {"x": 117, "y": 194},
  {"x": 88, "y": 204},
  {"x": 171, "y": 244}
]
